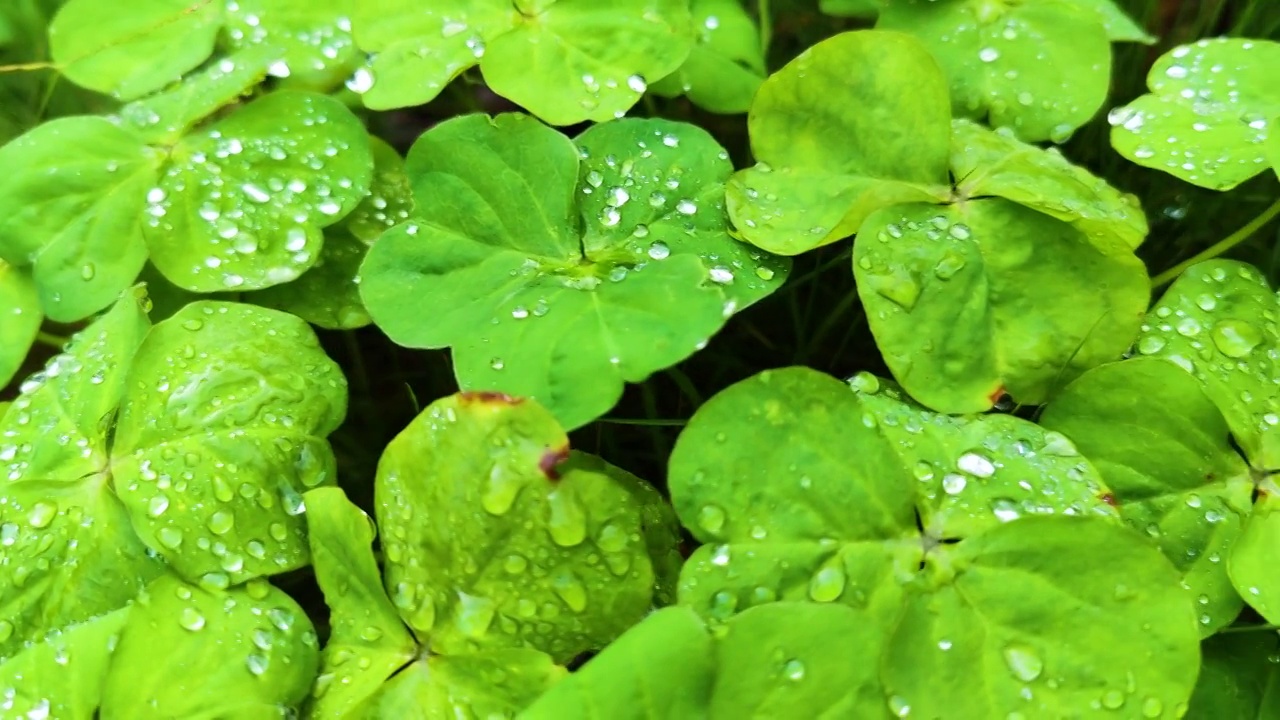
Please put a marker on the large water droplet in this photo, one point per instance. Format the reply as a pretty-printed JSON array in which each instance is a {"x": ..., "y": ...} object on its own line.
[
  {"x": 827, "y": 584},
  {"x": 568, "y": 521},
  {"x": 1023, "y": 662},
  {"x": 1235, "y": 338}
]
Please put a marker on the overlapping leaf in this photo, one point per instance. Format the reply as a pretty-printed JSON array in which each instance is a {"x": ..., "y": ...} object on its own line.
[
  {"x": 238, "y": 204},
  {"x": 247, "y": 652},
  {"x": 1040, "y": 69},
  {"x": 565, "y": 61},
  {"x": 1209, "y": 114},
  {"x": 373, "y": 666},
  {"x": 825, "y": 164},
  {"x": 1018, "y": 608},
  {"x": 504, "y": 554},
  {"x": 726, "y": 65},
  {"x": 977, "y": 299},
  {"x": 135, "y": 53},
  {"x": 1164, "y": 450},
  {"x": 560, "y": 271},
  {"x": 20, "y": 318},
  {"x": 776, "y": 660}
]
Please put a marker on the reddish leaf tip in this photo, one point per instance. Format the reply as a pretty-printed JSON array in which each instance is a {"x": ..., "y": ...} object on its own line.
[
  {"x": 996, "y": 395},
  {"x": 550, "y": 461},
  {"x": 486, "y": 396},
  {"x": 1109, "y": 498}
]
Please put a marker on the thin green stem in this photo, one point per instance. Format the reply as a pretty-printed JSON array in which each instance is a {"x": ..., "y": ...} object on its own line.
[
  {"x": 1221, "y": 246},
  {"x": 766, "y": 26},
  {"x": 1249, "y": 628},
  {"x": 55, "y": 341}
]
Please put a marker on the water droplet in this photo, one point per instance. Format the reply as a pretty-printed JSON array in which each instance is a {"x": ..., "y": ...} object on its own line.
[
  {"x": 711, "y": 518},
  {"x": 827, "y": 584},
  {"x": 1152, "y": 708},
  {"x": 793, "y": 670},
  {"x": 899, "y": 706},
  {"x": 1150, "y": 344},
  {"x": 1235, "y": 338},
  {"x": 953, "y": 483},
  {"x": 976, "y": 465},
  {"x": 1023, "y": 662},
  {"x": 659, "y": 251},
  {"x": 721, "y": 275},
  {"x": 1113, "y": 700},
  {"x": 568, "y": 521},
  {"x": 570, "y": 589},
  {"x": 191, "y": 619},
  {"x": 42, "y": 513}
]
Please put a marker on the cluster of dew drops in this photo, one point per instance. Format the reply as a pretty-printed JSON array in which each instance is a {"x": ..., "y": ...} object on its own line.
[
  {"x": 1211, "y": 92},
  {"x": 251, "y": 220}
]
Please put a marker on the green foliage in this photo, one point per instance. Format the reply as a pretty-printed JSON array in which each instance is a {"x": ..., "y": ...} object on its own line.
[
  {"x": 635, "y": 225},
  {"x": 562, "y": 269}
]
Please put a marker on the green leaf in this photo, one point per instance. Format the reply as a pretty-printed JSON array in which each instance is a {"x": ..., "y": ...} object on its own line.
[
  {"x": 726, "y": 65},
  {"x": 663, "y": 667},
  {"x": 1039, "y": 69},
  {"x": 163, "y": 118},
  {"x": 491, "y": 683},
  {"x": 1211, "y": 323},
  {"x": 247, "y": 652},
  {"x": 1045, "y": 617},
  {"x": 1252, "y": 561},
  {"x": 327, "y": 295},
  {"x": 976, "y": 471},
  {"x": 311, "y": 39},
  {"x": 242, "y": 203},
  {"x": 988, "y": 163},
  {"x": 1238, "y": 678},
  {"x": 1208, "y": 115},
  {"x": 829, "y": 516},
  {"x": 61, "y": 675},
  {"x": 1164, "y": 450},
  {"x": 224, "y": 429},
  {"x": 498, "y": 539},
  {"x": 560, "y": 277},
  {"x": 777, "y": 660},
  {"x": 129, "y": 54},
  {"x": 390, "y": 198},
  {"x": 974, "y": 300},
  {"x": 20, "y": 319},
  {"x": 71, "y": 207},
  {"x": 778, "y": 523},
  {"x": 824, "y": 164},
  {"x": 60, "y": 525},
  {"x": 851, "y": 8},
  {"x": 365, "y": 627},
  {"x": 565, "y": 61}
]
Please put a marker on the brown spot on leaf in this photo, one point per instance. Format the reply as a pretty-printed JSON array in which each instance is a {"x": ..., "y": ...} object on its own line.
[
  {"x": 486, "y": 396},
  {"x": 551, "y": 459},
  {"x": 996, "y": 395},
  {"x": 1109, "y": 498}
]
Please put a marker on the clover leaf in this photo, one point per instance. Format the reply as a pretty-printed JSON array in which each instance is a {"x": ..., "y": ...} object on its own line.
[
  {"x": 559, "y": 270},
  {"x": 135, "y": 53},
  {"x": 62, "y": 674},
  {"x": 71, "y": 208},
  {"x": 1006, "y": 620},
  {"x": 328, "y": 295},
  {"x": 20, "y": 318},
  {"x": 1040, "y": 69},
  {"x": 373, "y": 666},
  {"x": 974, "y": 300},
  {"x": 1164, "y": 449},
  {"x": 130, "y": 54},
  {"x": 726, "y": 65},
  {"x": 251, "y": 192},
  {"x": 498, "y": 538},
  {"x": 775, "y": 660},
  {"x": 237, "y": 204},
  {"x": 565, "y": 61},
  {"x": 1207, "y": 118},
  {"x": 823, "y": 168},
  {"x": 1216, "y": 322},
  {"x": 245, "y": 652},
  {"x": 988, "y": 163},
  {"x": 213, "y": 450}
]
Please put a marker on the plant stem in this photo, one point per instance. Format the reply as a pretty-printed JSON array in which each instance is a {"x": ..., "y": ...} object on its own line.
[
  {"x": 54, "y": 341},
  {"x": 645, "y": 422},
  {"x": 1221, "y": 246},
  {"x": 766, "y": 26}
]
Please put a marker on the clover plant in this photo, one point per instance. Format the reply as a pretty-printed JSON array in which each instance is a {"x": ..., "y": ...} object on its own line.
[{"x": 660, "y": 231}]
